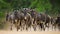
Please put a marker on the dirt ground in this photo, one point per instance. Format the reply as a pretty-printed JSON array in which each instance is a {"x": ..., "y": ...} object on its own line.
[{"x": 29, "y": 32}]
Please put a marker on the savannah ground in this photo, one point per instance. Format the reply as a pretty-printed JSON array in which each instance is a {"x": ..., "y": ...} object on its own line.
[{"x": 29, "y": 32}]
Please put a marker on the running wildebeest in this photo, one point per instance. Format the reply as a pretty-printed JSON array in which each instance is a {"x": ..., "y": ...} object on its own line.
[
  {"x": 53, "y": 22},
  {"x": 46, "y": 19},
  {"x": 33, "y": 14},
  {"x": 39, "y": 23},
  {"x": 21, "y": 18},
  {"x": 58, "y": 22},
  {"x": 13, "y": 18},
  {"x": 27, "y": 18},
  {"x": 10, "y": 18},
  {"x": 36, "y": 17}
]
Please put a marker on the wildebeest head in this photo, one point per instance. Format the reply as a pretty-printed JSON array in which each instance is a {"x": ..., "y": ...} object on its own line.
[
  {"x": 15, "y": 12},
  {"x": 58, "y": 20},
  {"x": 10, "y": 16},
  {"x": 33, "y": 13},
  {"x": 42, "y": 17}
]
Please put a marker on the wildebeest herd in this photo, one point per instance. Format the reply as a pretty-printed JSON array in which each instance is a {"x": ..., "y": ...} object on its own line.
[{"x": 26, "y": 18}]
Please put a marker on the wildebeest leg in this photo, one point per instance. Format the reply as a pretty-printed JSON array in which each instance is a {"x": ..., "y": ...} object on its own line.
[
  {"x": 26, "y": 22},
  {"x": 11, "y": 25},
  {"x": 59, "y": 27},
  {"x": 17, "y": 28},
  {"x": 52, "y": 26},
  {"x": 42, "y": 26},
  {"x": 22, "y": 24},
  {"x": 55, "y": 27},
  {"x": 34, "y": 25},
  {"x": 51, "y": 23},
  {"x": 18, "y": 23},
  {"x": 47, "y": 24},
  {"x": 27, "y": 25}
]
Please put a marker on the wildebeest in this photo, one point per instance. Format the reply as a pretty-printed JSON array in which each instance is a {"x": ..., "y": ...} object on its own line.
[
  {"x": 10, "y": 18},
  {"x": 45, "y": 19},
  {"x": 13, "y": 17},
  {"x": 33, "y": 14},
  {"x": 27, "y": 18},
  {"x": 57, "y": 23},
  {"x": 36, "y": 19},
  {"x": 39, "y": 23},
  {"x": 21, "y": 18},
  {"x": 53, "y": 22}
]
